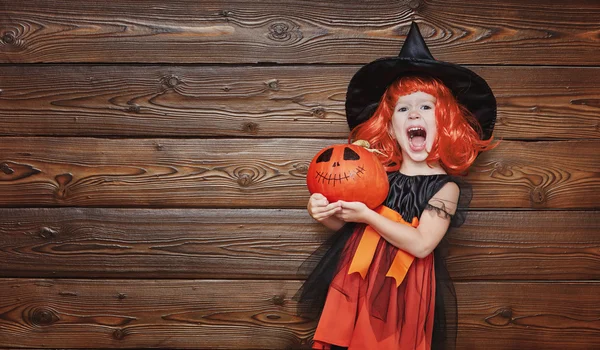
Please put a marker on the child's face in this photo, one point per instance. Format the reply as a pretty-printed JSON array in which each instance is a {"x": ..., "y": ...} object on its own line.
[{"x": 414, "y": 125}]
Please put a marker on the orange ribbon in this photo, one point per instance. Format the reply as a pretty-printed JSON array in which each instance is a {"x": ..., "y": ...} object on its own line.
[{"x": 368, "y": 243}]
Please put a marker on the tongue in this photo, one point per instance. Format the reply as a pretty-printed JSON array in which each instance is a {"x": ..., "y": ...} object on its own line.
[{"x": 417, "y": 143}]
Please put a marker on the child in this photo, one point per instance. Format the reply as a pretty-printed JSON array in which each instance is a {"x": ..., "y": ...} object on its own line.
[{"x": 429, "y": 119}]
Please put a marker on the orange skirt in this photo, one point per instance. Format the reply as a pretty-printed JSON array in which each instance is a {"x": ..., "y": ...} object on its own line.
[{"x": 348, "y": 318}]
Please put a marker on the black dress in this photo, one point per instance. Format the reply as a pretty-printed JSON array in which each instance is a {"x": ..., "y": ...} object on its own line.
[{"x": 410, "y": 196}]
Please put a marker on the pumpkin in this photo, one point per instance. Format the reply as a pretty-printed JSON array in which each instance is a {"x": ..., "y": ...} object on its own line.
[{"x": 348, "y": 172}]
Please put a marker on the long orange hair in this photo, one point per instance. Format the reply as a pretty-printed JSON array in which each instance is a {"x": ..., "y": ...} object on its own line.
[{"x": 457, "y": 143}]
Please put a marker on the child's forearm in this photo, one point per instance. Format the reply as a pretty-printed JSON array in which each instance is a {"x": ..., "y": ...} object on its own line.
[
  {"x": 403, "y": 236},
  {"x": 332, "y": 223}
]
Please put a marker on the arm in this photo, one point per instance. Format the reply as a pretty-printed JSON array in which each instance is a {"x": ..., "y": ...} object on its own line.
[
  {"x": 420, "y": 241},
  {"x": 321, "y": 210}
]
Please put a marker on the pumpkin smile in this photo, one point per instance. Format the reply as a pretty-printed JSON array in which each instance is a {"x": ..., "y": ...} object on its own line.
[
  {"x": 350, "y": 173},
  {"x": 323, "y": 177}
]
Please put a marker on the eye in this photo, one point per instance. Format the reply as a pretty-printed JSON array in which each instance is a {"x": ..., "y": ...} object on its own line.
[
  {"x": 350, "y": 154},
  {"x": 402, "y": 109},
  {"x": 426, "y": 107},
  {"x": 325, "y": 156}
]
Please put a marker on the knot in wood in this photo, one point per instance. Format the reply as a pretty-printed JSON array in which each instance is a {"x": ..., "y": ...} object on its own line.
[
  {"x": 538, "y": 195},
  {"x": 133, "y": 109},
  {"x": 502, "y": 317},
  {"x": 122, "y": 296},
  {"x": 225, "y": 13},
  {"x": 64, "y": 179},
  {"x": 6, "y": 169},
  {"x": 250, "y": 127},
  {"x": 8, "y": 38},
  {"x": 244, "y": 180},
  {"x": 414, "y": 4},
  {"x": 43, "y": 316},
  {"x": 302, "y": 168},
  {"x": 506, "y": 313},
  {"x": 279, "y": 31},
  {"x": 283, "y": 31},
  {"x": 170, "y": 81},
  {"x": 273, "y": 317},
  {"x": 278, "y": 300},
  {"x": 119, "y": 334},
  {"x": 173, "y": 81},
  {"x": 47, "y": 232},
  {"x": 272, "y": 84},
  {"x": 318, "y": 112}
]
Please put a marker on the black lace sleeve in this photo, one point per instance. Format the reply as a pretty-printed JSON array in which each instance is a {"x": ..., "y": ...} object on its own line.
[
  {"x": 440, "y": 210},
  {"x": 464, "y": 199}
]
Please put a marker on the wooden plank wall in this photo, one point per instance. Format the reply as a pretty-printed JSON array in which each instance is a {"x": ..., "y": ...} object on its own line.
[{"x": 153, "y": 155}]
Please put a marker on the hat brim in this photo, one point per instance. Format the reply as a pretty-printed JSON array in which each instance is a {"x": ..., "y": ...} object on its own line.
[{"x": 369, "y": 84}]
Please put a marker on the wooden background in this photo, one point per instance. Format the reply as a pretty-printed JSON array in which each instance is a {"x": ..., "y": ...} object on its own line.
[{"x": 153, "y": 155}]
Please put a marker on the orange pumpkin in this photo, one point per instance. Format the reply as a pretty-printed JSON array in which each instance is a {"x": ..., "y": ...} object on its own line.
[{"x": 350, "y": 173}]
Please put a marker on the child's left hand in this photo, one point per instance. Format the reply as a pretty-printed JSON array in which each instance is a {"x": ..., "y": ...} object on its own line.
[{"x": 353, "y": 212}]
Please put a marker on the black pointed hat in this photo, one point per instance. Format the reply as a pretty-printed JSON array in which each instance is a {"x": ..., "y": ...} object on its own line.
[{"x": 370, "y": 82}]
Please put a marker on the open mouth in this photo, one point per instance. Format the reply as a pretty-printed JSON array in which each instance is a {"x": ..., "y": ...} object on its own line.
[{"x": 417, "y": 136}]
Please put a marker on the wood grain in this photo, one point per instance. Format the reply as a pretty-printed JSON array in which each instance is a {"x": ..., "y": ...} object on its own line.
[
  {"x": 217, "y": 314},
  {"x": 208, "y": 314},
  {"x": 261, "y": 173},
  {"x": 273, "y": 244},
  {"x": 288, "y": 31},
  {"x": 528, "y": 315},
  {"x": 289, "y": 101}
]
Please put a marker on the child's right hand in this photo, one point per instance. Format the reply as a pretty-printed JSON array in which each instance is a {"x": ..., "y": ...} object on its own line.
[{"x": 320, "y": 208}]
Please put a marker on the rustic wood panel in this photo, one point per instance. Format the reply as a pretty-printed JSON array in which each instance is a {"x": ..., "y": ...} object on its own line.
[
  {"x": 531, "y": 245},
  {"x": 220, "y": 314},
  {"x": 288, "y": 31},
  {"x": 142, "y": 313},
  {"x": 528, "y": 315},
  {"x": 261, "y": 173},
  {"x": 272, "y": 244},
  {"x": 288, "y": 101}
]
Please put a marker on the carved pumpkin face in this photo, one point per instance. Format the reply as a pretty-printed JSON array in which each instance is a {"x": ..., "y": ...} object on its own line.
[{"x": 349, "y": 173}]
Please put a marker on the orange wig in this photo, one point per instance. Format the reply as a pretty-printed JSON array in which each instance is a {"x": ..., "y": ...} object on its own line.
[{"x": 457, "y": 143}]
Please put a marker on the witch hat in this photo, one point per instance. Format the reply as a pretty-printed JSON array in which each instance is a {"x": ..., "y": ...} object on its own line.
[{"x": 370, "y": 82}]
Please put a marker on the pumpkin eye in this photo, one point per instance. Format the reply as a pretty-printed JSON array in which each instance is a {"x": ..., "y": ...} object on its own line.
[
  {"x": 325, "y": 156},
  {"x": 350, "y": 154}
]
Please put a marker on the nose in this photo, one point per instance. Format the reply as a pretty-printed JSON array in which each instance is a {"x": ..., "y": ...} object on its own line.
[{"x": 414, "y": 115}]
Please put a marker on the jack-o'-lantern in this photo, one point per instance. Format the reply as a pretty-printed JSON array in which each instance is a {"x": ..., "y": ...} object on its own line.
[{"x": 348, "y": 172}]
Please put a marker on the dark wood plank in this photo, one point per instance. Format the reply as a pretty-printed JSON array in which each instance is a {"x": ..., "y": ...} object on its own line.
[
  {"x": 217, "y": 314},
  {"x": 261, "y": 173},
  {"x": 296, "y": 101},
  {"x": 208, "y": 314},
  {"x": 531, "y": 245},
  {"x": 272, "y": 244},
  {"x": 288, "y": 31},
  {"x": 528, "y": 315}
]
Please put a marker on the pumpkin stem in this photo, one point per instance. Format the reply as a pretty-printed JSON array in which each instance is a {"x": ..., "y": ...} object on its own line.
[
  {"x": 367, "y": 145},
  {"x": 362, "y": 143}
]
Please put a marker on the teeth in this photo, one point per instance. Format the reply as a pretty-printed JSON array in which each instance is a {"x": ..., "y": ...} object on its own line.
[{"x": 416, "y": 131}]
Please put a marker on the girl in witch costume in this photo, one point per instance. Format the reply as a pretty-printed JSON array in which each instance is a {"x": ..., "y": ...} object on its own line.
[{"x": 382, "y": 283}]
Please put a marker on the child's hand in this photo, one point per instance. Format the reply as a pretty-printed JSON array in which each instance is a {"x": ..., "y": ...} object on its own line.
[
  {"x": 320, "y": 208},
  {"x": 353, "y": 212}
]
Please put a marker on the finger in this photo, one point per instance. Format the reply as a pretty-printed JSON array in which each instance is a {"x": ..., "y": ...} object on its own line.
[
  {"x": 327, "y": 213},
  {"x": 319, "y": 200},
  {"x": 317, "y": 196}
]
